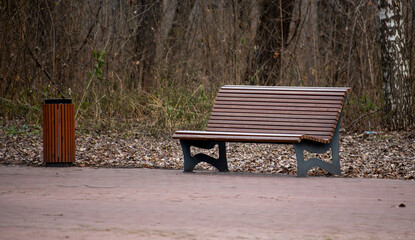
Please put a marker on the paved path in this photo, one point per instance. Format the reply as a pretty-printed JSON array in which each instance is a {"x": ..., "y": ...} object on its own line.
[{"x": 86, "y": 203}]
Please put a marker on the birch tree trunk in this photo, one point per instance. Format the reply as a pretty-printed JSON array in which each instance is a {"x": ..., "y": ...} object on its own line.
[{"x": 395, "y": 68}]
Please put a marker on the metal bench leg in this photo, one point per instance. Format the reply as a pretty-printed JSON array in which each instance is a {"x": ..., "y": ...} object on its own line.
[
  {"x": 304, "y": 166},
  {"x": 191, "y": 161}
]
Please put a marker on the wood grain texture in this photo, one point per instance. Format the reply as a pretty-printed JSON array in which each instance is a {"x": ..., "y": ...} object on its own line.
[
  {"x": 58, "y": 133},
  {"x": 249, "y": 113}
]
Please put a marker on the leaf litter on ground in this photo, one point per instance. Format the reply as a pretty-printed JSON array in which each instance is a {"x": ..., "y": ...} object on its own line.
[{"x": 386, "y": 154}]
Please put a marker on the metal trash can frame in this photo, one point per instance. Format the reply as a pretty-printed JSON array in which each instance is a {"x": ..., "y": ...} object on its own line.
[{"x": 58, "y": 132}]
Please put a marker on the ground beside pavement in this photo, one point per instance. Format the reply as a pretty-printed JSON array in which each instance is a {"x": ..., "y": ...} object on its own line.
[{"x": 386, "y": 154}]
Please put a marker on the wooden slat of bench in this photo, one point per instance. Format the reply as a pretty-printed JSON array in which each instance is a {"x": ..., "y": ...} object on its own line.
[
  {"x": 281, "y": 103},
  {"x": 251, "y": 129},
  {"x": 223, "y": 138},
  {"x": 261, "y": 107},
  {"x": 285, "y": 89},
  {"x": 237, "y": 136},
  {"x": 270, "y": 119},
  {"x": 277, "y": 100},
  {"x": 236, "y": 133},
  {"x": 291, "y": 111},
  {"x": 271, "y": 127},
  {"x": 259, "y": 130},
  {"x": 289, "y": 88},
  {"x": 247, "y": 137},
  {"x": 269, "y": 123},
  {"x": 248, "y": 95},
  {"x": 283, "y": 92},
  {"x": 281, "y": 116}
]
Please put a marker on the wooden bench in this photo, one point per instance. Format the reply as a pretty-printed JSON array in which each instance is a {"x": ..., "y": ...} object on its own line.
[{"x": 307, "y": 117}]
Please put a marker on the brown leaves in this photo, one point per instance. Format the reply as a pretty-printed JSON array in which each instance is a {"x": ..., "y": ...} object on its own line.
[
  {"x": 109, "y": 150},
  {"x": 382, "y": 155}
]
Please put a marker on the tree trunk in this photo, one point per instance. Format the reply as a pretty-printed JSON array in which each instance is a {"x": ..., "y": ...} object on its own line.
[
  {"x": 169, "y": 12},
  {"x": 395, "y": 68},
  {"x": 271, "y": 41},
  {"x": 306, "y": 49},
  {"x": 148, "y": 23}
]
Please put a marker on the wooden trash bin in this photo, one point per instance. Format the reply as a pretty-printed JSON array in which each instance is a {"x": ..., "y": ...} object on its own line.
[{"x": 58, "y": 132}]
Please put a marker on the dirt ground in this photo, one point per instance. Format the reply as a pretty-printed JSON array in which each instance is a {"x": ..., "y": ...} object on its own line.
[{"x": 109, "y": 203}]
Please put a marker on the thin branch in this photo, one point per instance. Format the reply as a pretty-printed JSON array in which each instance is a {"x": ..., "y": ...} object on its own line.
[{"x": 89, "y": 31}]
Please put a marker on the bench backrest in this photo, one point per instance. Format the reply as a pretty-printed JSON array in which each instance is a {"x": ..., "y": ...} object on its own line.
[{"x": 312, "y": 112}]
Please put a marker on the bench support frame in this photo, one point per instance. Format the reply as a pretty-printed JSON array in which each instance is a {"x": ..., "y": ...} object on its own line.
[
  {"x": 302, "y": 166},
  {"x": 191, "y": 161}
]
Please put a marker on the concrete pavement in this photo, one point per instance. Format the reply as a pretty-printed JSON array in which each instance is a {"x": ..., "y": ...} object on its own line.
[{"x": 87, "y": 203}]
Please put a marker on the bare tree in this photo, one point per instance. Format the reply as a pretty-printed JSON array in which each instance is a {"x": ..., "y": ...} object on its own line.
[
  {"x": 305, "y": 49},
  {"x": 271, "y": 41},
  {"x": 110, "y": 56},
  {"x": 395, "y": 67}
]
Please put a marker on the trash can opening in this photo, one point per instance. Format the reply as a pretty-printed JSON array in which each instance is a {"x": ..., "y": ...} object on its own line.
[{"x": 58, "y": 101}]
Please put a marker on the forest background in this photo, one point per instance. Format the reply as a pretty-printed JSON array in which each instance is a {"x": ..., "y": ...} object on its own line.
[{"x": 156, "y": 65}]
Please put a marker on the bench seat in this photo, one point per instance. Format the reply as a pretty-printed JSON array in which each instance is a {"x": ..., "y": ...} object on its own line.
[
  {"x": 307, "y": 117},
  {"x": 238, "y": 137}
]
